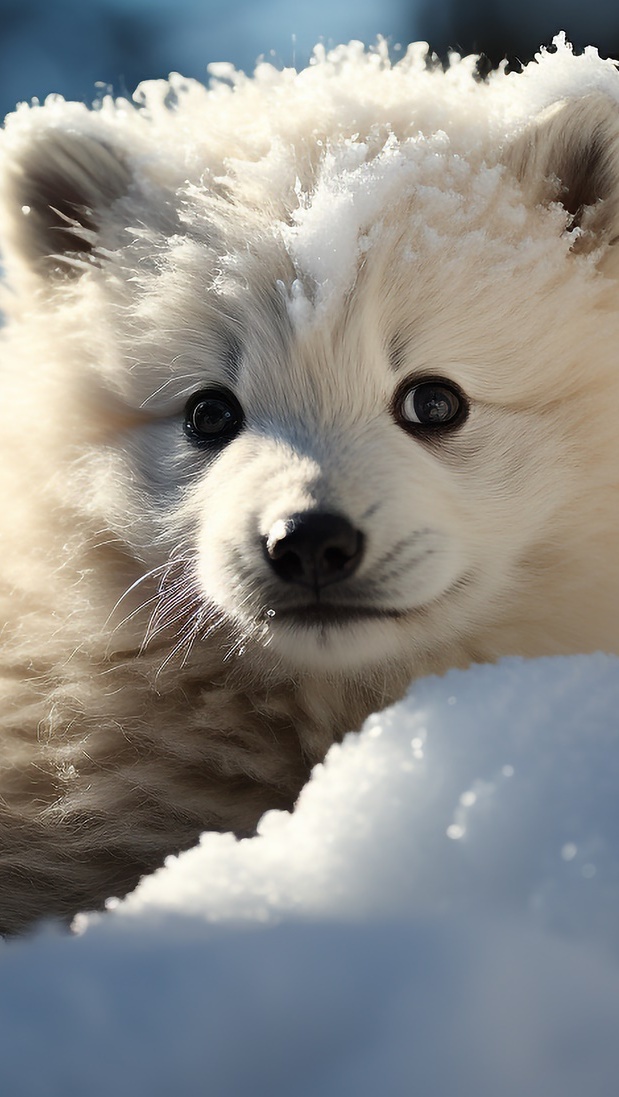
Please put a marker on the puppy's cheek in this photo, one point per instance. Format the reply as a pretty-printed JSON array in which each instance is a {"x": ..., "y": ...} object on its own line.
[
  {"x": 215, "y": 571},
  {"x": 223, "y": 574}
]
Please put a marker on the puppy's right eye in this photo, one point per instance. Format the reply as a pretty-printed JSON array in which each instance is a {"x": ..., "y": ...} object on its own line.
[
  {"x": 213, "y": 416},
  {"x": 430, "y": 405}
]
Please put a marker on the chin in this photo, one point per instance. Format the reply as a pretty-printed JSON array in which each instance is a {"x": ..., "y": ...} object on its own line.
[{"x": 334, "y": 648}]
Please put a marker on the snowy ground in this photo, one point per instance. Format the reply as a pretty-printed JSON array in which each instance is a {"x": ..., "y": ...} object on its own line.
[{"x": 440, "y": 916}]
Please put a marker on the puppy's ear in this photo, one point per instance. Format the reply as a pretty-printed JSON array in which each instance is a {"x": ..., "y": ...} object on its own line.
[
  {"x": 570, "y": 155},
  {"x": 58, "y": 185}
]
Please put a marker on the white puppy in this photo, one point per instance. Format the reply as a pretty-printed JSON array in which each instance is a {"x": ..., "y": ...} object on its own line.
[{"x": 309, "y": 387}]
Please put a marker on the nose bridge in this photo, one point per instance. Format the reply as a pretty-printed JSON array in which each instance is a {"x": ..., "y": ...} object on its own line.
[
  {"x": 307, "y": 472},
  {"x": 314, "y": 426},
  {"x": 291, "y": 485}
]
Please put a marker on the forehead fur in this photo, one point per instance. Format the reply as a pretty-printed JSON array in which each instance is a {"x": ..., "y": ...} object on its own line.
[{"x": 281, "y": 194}]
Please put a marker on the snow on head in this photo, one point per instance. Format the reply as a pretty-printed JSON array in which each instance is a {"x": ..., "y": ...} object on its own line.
[
  {"x": 329, "y": 234},
  {"x": 371, "y": 130}
]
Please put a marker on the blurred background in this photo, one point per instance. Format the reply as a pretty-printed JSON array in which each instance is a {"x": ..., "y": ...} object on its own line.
[{"x": 77, "y": 46}]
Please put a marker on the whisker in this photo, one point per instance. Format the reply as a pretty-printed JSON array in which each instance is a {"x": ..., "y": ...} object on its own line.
[
  {"x": 189, "y": 380},
  {"x": 186, "y": 639},
  {"x": 142, "y": 579}
]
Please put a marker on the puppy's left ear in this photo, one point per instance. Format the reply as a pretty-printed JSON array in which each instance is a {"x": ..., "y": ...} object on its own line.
[
  {"x": 58, "y": 187},
  {"x": 570, "y": 155}
]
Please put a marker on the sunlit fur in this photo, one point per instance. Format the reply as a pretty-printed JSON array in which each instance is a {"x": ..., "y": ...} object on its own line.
[{"x": 311, "y": 241}]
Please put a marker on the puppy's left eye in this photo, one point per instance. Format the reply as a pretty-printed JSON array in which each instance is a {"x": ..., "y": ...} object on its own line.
[
  {"x": 430, "y": 404},
  {"x": 213, "y": 415}
]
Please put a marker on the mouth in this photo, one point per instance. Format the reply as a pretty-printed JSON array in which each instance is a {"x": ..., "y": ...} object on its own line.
[{"x": 317, "y": 615}]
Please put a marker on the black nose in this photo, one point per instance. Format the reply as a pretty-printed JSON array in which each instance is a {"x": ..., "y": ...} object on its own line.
[{"x": 313, "y": 549}]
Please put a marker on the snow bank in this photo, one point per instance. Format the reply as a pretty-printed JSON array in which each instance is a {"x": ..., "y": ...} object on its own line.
[
  {"x": 440, "y": 915},
  {"x": 491, "y": 791}
]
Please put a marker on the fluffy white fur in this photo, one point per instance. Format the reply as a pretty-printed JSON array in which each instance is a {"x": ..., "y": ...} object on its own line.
[{"x": 313, "y": 241}]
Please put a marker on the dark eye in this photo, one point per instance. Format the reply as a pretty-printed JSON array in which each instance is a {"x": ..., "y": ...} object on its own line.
[
  {"x": 212, "y": 415},
  {"x": 430, "y": 405}
]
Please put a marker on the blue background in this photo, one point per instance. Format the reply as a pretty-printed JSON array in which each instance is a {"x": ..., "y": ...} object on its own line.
[{"x": 70, "y": 46}]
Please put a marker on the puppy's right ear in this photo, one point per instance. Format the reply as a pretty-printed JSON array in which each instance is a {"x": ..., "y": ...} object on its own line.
[
  {"x": 58, "y": 187},
  {"x": 569, "y": 155}
]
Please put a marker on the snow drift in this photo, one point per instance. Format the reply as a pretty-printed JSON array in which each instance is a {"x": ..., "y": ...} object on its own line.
[{"x": 440, "y": 915}]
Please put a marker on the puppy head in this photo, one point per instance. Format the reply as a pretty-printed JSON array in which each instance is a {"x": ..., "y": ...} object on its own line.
[{"x": 342, "y": 423}]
